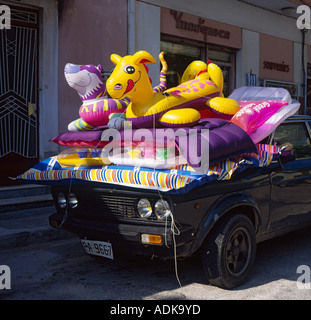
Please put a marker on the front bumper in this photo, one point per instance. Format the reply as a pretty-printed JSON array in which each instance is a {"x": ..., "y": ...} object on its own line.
[{"x": 126, "y": 237}]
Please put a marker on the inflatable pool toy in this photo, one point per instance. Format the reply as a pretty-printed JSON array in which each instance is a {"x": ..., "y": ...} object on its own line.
[
  {"x": 143, "y": 147},
  {"x": 210, "y": 70},
  {"x": 149, "y": 157},
  {"x": 193, "y": 69},
  {"x": 176, "y": 107},
  {"x": 273, "y": 122},
  {"x": 97, "y": 108},
  {"x": 81, "y": 157},
  {"x": 158, "y": 151},
  {"x": 254, "y": 113},
  {"x": 87, "y": 80},
  {"x": 262, "y": 110}
]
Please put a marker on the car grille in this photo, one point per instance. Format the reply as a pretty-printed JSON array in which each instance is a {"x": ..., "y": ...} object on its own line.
[{"x": 100, "y": 205}]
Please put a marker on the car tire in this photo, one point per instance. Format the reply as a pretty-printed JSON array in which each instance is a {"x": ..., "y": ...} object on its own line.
[{"x": 229, "y": 251}]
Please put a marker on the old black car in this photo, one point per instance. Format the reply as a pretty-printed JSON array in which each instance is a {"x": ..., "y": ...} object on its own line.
[{"x": 223, "y": 220}]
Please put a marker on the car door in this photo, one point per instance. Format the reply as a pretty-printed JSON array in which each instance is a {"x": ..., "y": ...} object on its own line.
[{"x": 290, "y": 202}]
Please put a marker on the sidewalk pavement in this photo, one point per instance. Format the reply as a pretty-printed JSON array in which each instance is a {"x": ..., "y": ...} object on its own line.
[{"x": 26, "y": 227}]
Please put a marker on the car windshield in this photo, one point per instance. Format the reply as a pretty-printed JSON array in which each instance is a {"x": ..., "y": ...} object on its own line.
[{"x": 295, "y": 137}]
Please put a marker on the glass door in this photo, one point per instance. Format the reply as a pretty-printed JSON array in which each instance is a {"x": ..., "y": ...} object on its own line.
[
  {"x": 225, "y": 59},
  {"x": 179, "y": 53},
  {"x": 178, "y": 57}
]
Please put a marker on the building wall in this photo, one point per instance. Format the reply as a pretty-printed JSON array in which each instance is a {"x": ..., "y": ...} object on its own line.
[
  {"x": 147, "y": 31},
  {"x": 276, "y": 58},
  {"x": 248, "y": 56},
  {"x": 89, "y": 32},
  {"x": 264, "y": 34},
  {"x": 238, "y": 13}
]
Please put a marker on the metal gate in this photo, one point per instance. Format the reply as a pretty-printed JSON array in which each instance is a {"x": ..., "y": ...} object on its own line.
[{"x": 18, "y": 94}]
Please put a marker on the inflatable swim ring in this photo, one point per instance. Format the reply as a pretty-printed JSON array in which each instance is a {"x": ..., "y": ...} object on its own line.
[{"x": 79, "y": 157}]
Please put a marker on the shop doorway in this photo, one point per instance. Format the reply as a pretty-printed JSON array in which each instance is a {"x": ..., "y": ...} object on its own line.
[
  {"x": 180, "y": 53},
  {"x": 225, "y": 59},
  {"x": 19, "y": 94},
  {"x": 178, "y": 57}
]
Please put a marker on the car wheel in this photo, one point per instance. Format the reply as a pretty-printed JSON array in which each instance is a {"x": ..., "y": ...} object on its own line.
[{"x": 229, "y": 252}]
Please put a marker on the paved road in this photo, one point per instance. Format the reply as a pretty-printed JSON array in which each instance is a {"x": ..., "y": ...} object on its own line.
[{"x": 61, "y": 270}]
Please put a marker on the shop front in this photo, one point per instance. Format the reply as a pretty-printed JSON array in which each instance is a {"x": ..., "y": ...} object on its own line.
[
  {"x": 185, "y": 38},
  {"x": 276, "y": 65}
]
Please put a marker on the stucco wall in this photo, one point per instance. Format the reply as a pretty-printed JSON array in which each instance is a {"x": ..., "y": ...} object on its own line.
[
  {"x": 89, "y": 32},
  {"x": 147, "y": 30},
  {"x": 247, "y": 57},
  {"x": 238, "y": 13}
]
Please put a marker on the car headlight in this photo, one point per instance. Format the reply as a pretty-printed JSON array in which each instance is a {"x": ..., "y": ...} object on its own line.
[
  {"x": 162, "y": 209},
  {"x": 144, "y": 208},
  {"x": 72, "y": 200},
  {"x": 61, "y": 200}
]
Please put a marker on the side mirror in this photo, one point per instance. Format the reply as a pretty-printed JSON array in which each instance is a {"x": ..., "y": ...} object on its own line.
[{"x": 286, "y": 157}]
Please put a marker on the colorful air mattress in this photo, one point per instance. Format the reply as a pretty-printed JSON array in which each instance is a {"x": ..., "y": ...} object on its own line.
[{"x": 180, "y": 179}]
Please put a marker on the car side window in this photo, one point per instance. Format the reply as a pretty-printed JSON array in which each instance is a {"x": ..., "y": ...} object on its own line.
[{"x": 295, "y": 137}]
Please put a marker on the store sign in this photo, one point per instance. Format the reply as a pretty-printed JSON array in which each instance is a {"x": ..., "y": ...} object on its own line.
[
  {"x": 276, "y": 66},
  {"x": 198, "y": 27},
  {"x": 277, "y": 63}
]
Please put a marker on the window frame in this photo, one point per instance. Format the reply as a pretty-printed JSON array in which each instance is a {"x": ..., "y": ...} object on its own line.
[{"x": 308, "y": 130}]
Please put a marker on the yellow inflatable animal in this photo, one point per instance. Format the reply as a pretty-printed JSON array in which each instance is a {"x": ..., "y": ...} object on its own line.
[{"x": 175, "y": 107}]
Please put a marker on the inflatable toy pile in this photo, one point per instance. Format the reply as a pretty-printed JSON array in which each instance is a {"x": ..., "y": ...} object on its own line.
[{"x": 170, "y": 140}]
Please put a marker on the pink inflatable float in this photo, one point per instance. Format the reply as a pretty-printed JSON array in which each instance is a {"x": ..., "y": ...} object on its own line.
[
  {"x": 253, "y": 114},
  {"x": 262, "y": 110}
]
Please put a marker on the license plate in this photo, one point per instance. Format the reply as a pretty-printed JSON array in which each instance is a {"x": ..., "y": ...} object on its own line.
[{"x": 98, "y": 248}]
